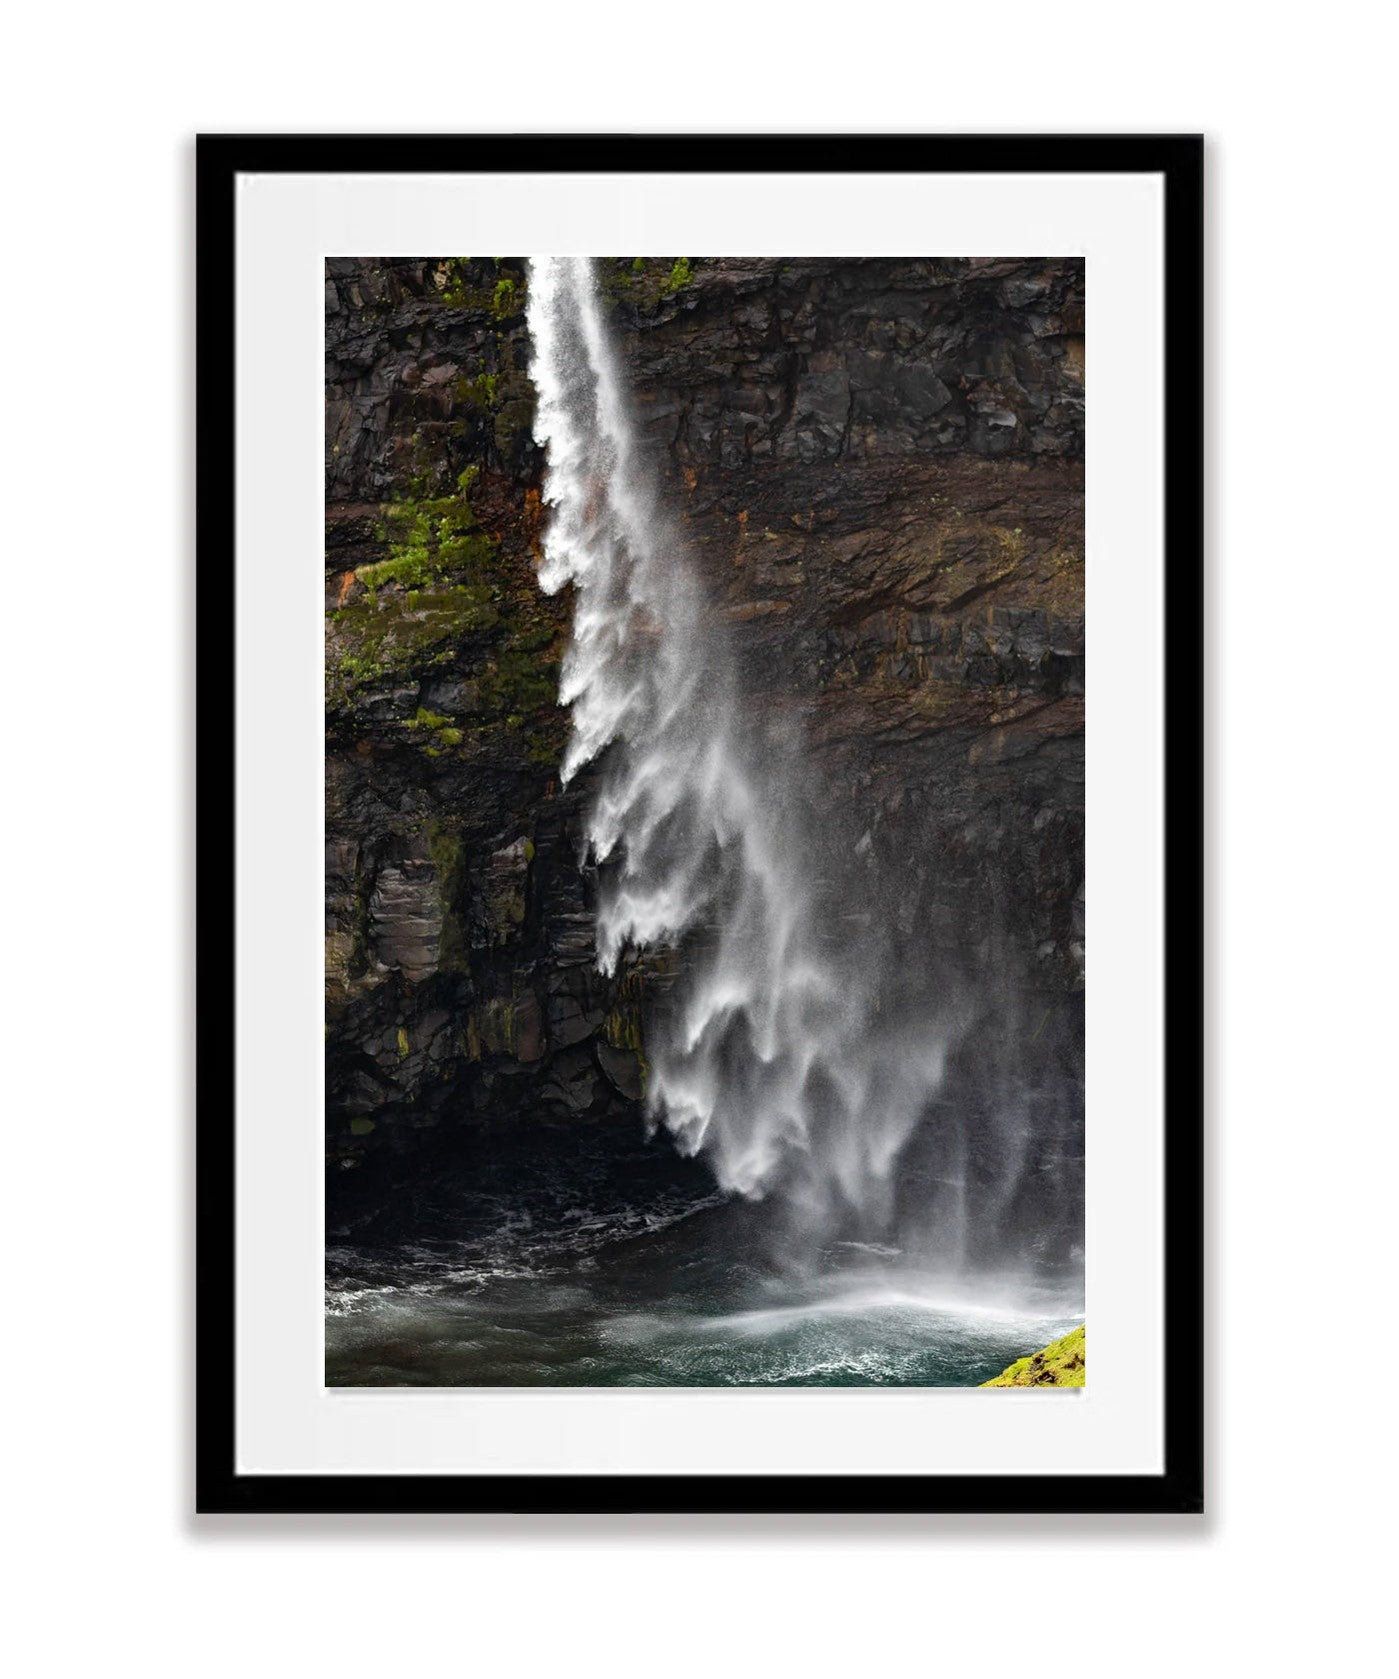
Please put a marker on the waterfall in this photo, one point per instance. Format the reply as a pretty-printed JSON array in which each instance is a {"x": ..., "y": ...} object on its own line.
[{"x": 789, "y": 1054}]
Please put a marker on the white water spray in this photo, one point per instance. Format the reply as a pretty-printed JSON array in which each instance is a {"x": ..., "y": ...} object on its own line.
[{"x": 783, "y": 1058}]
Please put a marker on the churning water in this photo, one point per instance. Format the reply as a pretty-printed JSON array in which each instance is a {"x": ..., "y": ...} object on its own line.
[{"x": 570, "y": 1285}]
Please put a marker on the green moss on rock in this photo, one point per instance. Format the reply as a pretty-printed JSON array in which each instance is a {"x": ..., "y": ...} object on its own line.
[
  {"x": 430, "y": 537},
  {"x": 1061, "y": 1364},
  {"x": 519, "y": 680},
  {"x": 374, "y": 640},
  {"x": 450, "y": 597},
  {"x": 643, "y": 282},
  {"x": 503, "y": 296},
  {"x": 621, "y": 1026},
  {"x": 448, "y": 852},
  {"x": 437, "y": 586},
  {"x": 459, "y": 285}
]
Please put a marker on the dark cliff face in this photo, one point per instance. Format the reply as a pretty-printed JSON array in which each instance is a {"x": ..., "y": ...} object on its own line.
[{"x": 878, "y": 464}]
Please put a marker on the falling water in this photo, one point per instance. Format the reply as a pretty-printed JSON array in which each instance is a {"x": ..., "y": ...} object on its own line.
[{"x": 787, "y": 1057}]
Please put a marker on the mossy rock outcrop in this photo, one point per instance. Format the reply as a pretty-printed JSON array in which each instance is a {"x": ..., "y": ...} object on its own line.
[{"x": 1062, "y": 1364}]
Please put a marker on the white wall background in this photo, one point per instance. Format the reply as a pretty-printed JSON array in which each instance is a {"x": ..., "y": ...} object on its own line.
[{"x": 1284, "y": 1576}]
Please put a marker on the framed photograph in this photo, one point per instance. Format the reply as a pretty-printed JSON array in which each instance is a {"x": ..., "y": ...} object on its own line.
[{"x": 654, "y": 800}]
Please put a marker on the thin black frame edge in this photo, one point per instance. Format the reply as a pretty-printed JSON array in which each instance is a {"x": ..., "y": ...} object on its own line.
[
  {"x": 219, "y": 1489},
  {"x": 694, "y": 1495}
]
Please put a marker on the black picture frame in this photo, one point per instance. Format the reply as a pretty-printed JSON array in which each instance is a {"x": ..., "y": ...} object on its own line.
[{"x": 1178, "y": 160}]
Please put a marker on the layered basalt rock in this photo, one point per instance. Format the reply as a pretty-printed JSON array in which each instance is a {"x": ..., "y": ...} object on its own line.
[{"x": 878, "y": 465}]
